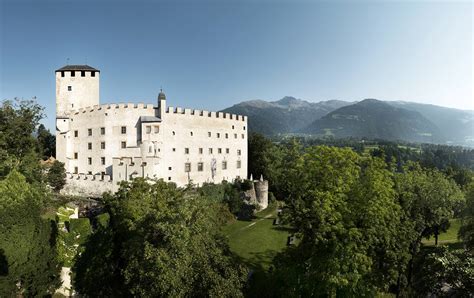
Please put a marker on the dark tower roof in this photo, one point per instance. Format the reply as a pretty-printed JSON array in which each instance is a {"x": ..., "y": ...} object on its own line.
[
  {"x": 77, "y": 67},
  {"x": 161, "y": 95}
]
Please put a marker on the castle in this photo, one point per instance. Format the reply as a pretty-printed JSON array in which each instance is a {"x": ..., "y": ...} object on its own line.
[{"x": 102, "y": 145}]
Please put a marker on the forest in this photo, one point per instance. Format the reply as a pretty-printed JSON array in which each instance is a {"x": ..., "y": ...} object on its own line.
[{"x": 358, "y": 213}]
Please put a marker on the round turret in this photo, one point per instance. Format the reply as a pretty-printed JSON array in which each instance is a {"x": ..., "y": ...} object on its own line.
[{"x": 161, "y": 95}]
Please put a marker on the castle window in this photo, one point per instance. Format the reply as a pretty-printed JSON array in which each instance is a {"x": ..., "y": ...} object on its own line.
[
  {"x": 157, "y": 129},
  {"x": 89, "y": 146},
  {"x": 169, "y": 168},
  {"x": 227, "y": 150},
  {"x": 224, "y": 165},
  {"x": 169, "y": 178},
  {"x": 89, "y": 160},
  {"x": 219, "y": 150},
  {"x": 102, "y": 160},
  {"x": 239, "y": 164},
  {"x": 233, "y": 127},
  {"x": 150, "y": 149},
  {"x": 148, "y": 129},
  {"x": 76, "y": 170},
  {"x": 73, "y": 73},
  {"x": 218, "y": 135},
  {"x": 243, "y": 136},
  {"x": 123, "y": 144},
  {"x": 200, "y": 166},
  {"x": 187, "y": 167},
  {"x": 69, "y": 88},
  {"x": 76, "y": 133},
  {"x": 174, "y": 149},
  {"x": 89, "y": 132},
  {"x": 191, "y": 133},
  {"x": 244, "y": 127},
  {"x": 239, "y": 152},
  {"x": 76, "y": 155},
  {"x": 89, "y": 172},
  {"x": 209, "y": 134},
  {"x": 62, "y": 74},
  {"x": 102, "y": 130},
  {"x": 92, "y": 73},
  {"x": 226, "y": 135},
  {"x": 174, "y": 133},
  {"x": 210, "y": 150},
  {"x": 186, "y": 150},
  {"x": 83, "y": 73},
  {"x": 102, "y": 145},
  {"x": 124, "y": 130},
  {"x": 200, "y": 150},
  {"x": 102, "y": 175}
]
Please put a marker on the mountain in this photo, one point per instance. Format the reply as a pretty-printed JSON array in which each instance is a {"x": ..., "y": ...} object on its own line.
[
  {"x": 375, "y": 119},
  {"x": 286, "y": 115},
  {"x": 456, "y": 126}
]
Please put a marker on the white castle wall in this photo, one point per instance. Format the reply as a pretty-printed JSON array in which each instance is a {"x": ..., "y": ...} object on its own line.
[
  {"x": 84, "y": 90},
  {"x": 153, "y": 149}
]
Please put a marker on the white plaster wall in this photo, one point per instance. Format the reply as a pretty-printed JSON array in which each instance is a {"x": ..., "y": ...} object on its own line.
[{"x": 84, "y": 93}]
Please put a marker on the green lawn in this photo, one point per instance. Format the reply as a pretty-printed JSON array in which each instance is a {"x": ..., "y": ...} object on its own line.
[
  {"x": 451, "y": 236},
  {"x": 256, "y": 242}
]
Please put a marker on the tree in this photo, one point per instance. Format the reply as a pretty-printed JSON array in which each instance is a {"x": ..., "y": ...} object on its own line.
[
  {"x": 56, "y": 176},
  {"x": 161, "y": 241},
  {"x": 46, "y": 142},
  {"x": 466, "y": 232},
  {"x": 345, "y": 212},
  {"x": 27, "y": 242}
]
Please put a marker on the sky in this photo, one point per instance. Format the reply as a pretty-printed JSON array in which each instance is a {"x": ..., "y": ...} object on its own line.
[{"x": 213, "y": 54}]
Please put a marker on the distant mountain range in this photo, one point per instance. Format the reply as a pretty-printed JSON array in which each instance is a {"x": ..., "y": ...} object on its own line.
[{"x": 369, "y": 118}]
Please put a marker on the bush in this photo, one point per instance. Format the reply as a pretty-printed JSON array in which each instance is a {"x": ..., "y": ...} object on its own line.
[{"x": 103, "y": 220}]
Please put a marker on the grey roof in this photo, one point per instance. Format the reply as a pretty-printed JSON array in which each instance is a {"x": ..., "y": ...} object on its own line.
[
  {"x": 77, "y": 67},
  {"x": 149, "y": 119}
]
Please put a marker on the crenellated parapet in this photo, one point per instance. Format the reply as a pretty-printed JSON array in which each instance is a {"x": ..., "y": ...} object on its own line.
[
  {"x": 90, "y": 177},
  {"x": 203, "y": 113},
  {"x": 111, "y": 107}
]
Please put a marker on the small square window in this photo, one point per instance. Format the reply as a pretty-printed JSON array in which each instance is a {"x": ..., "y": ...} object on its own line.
[
  {"x": 243, "y": 136},
  {"x": 89, "y": 132},
  {"x": 233, "y": 127},
  {"x": 227, "y": 150},
  {"x": 169, "y": 178},
  {"x": 235, "y": 136},
  {"x": 76, "y": 170},
  {"x": 186, "y": 150},
  {"x": 123, "y": 144},
  {"x": 200, "y": 150},
  {"x": 69, "y": 88},
  {"x": 76, "y": 133},
  {"x": 191, "y": 133},
  {"x": 148, "y": 130},
  {"x": 226, "y": 135},
  {"x": 102, "y": 160},
  {"x": 187, "y": 167},
  {"x": 239, "y": 152},
  {"x": 244, "y": 127},
  {"x": 89, "y": 172},
  {"x": 210, "y": 150},
  {"x": 174, "y": 149},
  {"x": 89, "y": 160},
  {"x": 89, "y": 146},
  {"x": 200, "y": 166},
  {"x": 224, "y": 165},
  {"x": 218, "y": 135},
  {"x": 102, "y": 145},
  {"x": 76, "y": 155},
  {"x": 124, "y": 130},
  {"x": 170, "y": 168},
  {"x": 209, "y": 134},
  {"x": 157, "y": 129},
  {"x": 239, "y": 164},
  {"x": 219, "y": 150},
  {"x": 102, "y": 130}
]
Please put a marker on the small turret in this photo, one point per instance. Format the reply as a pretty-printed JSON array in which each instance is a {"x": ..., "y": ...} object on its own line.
[{"x": 161, "y": 104}]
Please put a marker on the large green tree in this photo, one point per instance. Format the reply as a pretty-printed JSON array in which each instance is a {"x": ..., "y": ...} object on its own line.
[
  {"x": 161, "y": 241},
  {"x": 27, "y": 242},
  {"x": 345, "y": 212}
]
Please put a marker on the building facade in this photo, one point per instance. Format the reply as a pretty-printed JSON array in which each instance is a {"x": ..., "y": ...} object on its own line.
[{"x": 101, "y": 145}]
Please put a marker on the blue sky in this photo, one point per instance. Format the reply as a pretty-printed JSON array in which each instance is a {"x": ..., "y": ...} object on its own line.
[{"x": 213, "y": 54}]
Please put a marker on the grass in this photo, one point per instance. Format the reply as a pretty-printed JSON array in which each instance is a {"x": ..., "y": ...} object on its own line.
[
  {"x": 256, "y": 242},
  {"x": 450, "y": 236}
]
